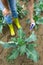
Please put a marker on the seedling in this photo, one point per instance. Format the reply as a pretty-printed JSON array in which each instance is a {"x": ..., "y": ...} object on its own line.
[{"x": 24, "y": 46}]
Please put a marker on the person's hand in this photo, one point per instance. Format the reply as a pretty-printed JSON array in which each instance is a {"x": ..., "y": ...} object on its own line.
[
  {"x": 6, "y": 12},
  {"x": 32, "y": 20},
  {"x": 32, "y": 25}
]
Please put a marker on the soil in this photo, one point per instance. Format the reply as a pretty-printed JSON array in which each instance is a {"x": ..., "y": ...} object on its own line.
[{"x": 21, "y": 60}]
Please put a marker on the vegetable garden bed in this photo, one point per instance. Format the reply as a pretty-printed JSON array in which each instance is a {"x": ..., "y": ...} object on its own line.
[{"x": 22, "y": 60}]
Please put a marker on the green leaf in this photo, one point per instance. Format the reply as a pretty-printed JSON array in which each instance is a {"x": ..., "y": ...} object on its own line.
[
  {"x": 14, "y": 39},
  {"x": 32, "y": 45},
  {"x": 24, "y": 13},
  {"x": 40, "y": 21},
  {"x": 36, "y": 17},
  {"x": 23, "y": 49},
  {"x": 32, "y": 38},
  {"x": 21, "y": 34},
  {"x": 20, "y": 41},
  {"x": 1, "y": 21},
  {"x": 1, "y": 27},
  {"x": 36, "y": 27},
  {"x": 20, "y": 9},
  {"x": 32, "y": 54},
  {"x": 8, "y": 44},
  {"x": 14, "y": 55}
]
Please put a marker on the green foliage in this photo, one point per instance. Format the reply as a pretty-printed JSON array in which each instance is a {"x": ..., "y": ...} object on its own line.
[
  {"x": 14, "y": 55},
  {"x": 7, "y": 44},
  {"x": 24, "y": 46},
  {"x": 31, "y": 38},
  {"x": 2, "y": 21},
  {"x": 32, "y": 54},
  {"x": 40, "y": 21},
  {"x": 38, "y": 7},
  {"x": 1, "y": 26},
  {"x": 21, "y": 12}
]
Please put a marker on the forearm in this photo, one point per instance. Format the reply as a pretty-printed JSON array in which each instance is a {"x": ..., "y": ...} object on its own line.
[
  {"x": 5, "y": 3},
  {"x": 31, "y": 8}
]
